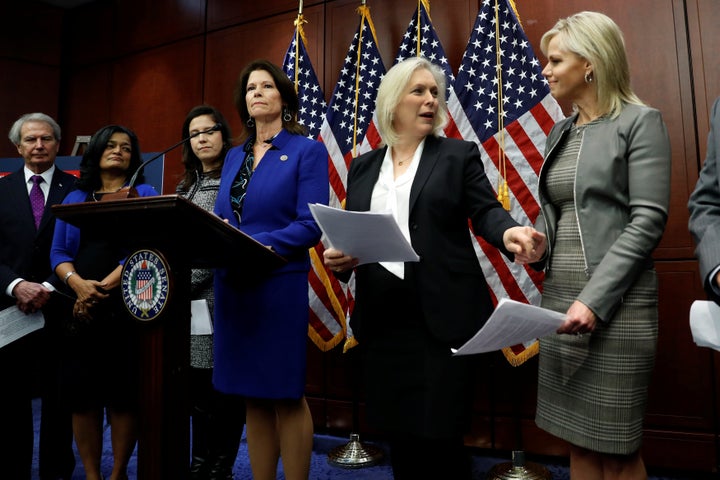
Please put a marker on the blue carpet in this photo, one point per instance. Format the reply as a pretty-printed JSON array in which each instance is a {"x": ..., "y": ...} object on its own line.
[{"x": 320, "y": 468}]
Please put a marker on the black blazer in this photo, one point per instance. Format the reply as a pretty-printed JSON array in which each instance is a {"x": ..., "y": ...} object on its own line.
[
  {"x": 25, "y": 251},
  {"x": 450, "y": 186}
]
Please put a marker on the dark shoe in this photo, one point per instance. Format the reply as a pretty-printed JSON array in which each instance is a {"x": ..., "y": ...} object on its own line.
[
  {"x": 198, "y": 468},
  {"x": 221, "y": 468}
]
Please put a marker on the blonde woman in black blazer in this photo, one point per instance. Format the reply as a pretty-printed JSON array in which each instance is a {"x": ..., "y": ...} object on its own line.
[{"x": 408, "y": 316}]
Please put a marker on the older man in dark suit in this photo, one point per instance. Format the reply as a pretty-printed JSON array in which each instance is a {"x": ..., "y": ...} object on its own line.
[
  {"x": 704, "y": 206},
  {"x": 26, "y": 231}
]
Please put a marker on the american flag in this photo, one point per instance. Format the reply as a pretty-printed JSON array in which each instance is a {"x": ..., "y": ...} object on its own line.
[
  {"x": 421, "y": 40},
  {"x": 299, "y": 69},
  {"x": 510, "y": 125},
  {"x": 348, "y": 122},
  {"x": 341, "y": 129},
  {"x": 143, "y": 284},
  {"x": 326, "y": 296}
]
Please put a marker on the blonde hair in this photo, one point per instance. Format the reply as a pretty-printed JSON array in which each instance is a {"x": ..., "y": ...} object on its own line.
[
  {"x": 392, "y": 88},
  {"x": 597, "y": 38}
]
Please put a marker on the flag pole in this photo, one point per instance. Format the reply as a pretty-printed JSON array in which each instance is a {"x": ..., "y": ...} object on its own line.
[
  {"x": 518, "y": 468},
  {"x": 418, "y": 30},
  {"x": 355, "y": 454},
  {"x": 502, "y": 194},
  {"x": 299, "y": 33},
  {"x": 363, "y": 12}
]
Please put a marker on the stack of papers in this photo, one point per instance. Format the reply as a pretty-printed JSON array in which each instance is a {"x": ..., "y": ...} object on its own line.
[
  {"x": 14, "y": 324},
  {"x": 705, "y": 324},
  {"x": 368, "y": 236},
  {"x": 512, "y": 323}
]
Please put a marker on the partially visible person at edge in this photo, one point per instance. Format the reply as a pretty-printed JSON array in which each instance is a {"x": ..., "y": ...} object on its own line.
[
  {"x": 217, "y": 419},
  {"x": 261, "y": 318},
  {"x": 704, "y": 206},
  {"x": 408, "y": 316},
  {"x": 29, "y": 365},
  {"x": 604, "y": 191},
  {"x": 100, "y": 345}
]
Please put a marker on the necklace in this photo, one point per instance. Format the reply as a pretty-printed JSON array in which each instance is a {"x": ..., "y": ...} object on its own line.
[
  {"x": 96, "y": 199},
  {"x": 267, "y": 143},
  {"x": 401, "y": 162}
]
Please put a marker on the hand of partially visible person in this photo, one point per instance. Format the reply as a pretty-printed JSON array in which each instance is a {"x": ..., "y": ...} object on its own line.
[
  {"x": 580, "y": 319},
  {"x": 30, "y": 296},
  {"x": 337, "y": 261},
  {"x": 87, "y": 291},
  {"x": 526, "y": 243},
  {"x": 81, "y": 310},
  {"x": 112, "y": 280}
]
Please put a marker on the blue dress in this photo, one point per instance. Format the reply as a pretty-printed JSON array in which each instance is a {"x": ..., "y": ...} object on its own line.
[
  {"x": 99, "y": 364},
  {"x": 261, "y": 319}
]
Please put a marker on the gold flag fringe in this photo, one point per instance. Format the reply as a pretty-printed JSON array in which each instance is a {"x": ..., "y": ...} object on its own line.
[
  {"x": 321, "y": 343},
  {"x": 518, "y": 359}
]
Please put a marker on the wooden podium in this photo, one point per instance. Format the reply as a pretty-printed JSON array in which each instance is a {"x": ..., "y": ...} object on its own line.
[{"x": 186, "y": 237}]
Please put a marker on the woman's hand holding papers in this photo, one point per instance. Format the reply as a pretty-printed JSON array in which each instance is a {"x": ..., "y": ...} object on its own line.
[
  {"x": 580, "y": 319},
  {"x": 337, "y": 261}
]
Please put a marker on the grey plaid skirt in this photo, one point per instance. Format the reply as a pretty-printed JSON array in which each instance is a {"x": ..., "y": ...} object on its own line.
[{"x": 592, "y": 388}]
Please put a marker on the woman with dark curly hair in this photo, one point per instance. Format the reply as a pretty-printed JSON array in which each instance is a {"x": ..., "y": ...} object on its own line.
[{"x": 100, "y": 356}]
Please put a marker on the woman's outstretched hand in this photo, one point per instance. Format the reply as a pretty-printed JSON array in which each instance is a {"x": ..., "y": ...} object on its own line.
[{"x": 526, "y": 243}]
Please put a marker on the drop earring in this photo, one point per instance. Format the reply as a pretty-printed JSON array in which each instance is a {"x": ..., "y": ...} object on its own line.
[{"x": 250, "y": 122}]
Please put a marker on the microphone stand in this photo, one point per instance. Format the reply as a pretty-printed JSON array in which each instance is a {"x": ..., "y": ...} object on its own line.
[{"x": 130, "y": 191}]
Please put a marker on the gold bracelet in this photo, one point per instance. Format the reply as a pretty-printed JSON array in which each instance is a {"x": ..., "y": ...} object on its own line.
[{"x": 68, "y": 275}]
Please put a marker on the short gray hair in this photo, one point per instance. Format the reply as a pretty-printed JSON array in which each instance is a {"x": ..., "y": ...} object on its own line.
[
  {"x": 14, "y": 134},
  {"x": 392, "y": 88}
]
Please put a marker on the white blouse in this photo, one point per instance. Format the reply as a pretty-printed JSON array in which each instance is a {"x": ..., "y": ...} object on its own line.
[{"x": 393, "y": 195}]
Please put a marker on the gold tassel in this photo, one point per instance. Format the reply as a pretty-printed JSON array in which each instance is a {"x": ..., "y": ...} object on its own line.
[{"x": 504, "y": 195}]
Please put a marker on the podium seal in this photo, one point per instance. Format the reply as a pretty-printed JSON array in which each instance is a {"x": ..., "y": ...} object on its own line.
[{"x": 145, "y": 284}]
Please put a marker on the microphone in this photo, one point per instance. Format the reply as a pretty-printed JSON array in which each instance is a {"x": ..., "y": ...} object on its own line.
[{"x": 129, "y": 191}]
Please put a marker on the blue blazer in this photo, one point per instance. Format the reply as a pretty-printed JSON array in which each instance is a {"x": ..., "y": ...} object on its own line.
[
  {"x": 66, "y": 240},
  {"x": 263, "y": 319},
  {"x": 291, "y": 175}
]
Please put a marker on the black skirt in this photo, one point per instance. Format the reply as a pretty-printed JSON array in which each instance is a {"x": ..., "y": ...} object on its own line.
[{"x": 412, "y": 382}]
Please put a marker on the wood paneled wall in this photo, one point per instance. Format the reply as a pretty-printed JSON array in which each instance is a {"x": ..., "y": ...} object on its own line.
[{"x": 145, "y": 64}]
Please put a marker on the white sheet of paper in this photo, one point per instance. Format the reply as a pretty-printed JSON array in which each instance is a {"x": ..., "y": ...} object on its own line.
[
  {"x": 512, "y": 323},
  {"x": 368, "y": 236},
  {"x": 15, "y": 324},
  {"x": 200, "y": 321},
  {"x": 705, "y": 324}
]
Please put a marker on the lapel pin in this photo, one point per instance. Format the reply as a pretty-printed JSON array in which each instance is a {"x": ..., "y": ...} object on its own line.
[{"x": 283, "y": 158}]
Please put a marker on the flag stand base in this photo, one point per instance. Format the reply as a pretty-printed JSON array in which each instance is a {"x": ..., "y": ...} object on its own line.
[
  {"x": 518, "y": 469},
  {"x": 355, "y": 454}
]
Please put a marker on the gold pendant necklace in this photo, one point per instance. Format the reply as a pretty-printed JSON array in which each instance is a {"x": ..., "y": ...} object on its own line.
[{"x": 401, "y": 162}]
